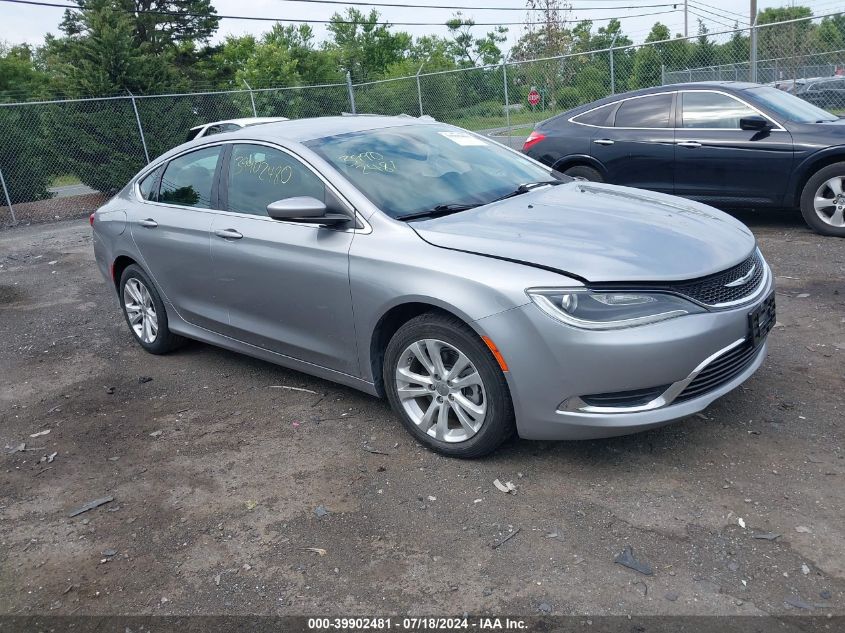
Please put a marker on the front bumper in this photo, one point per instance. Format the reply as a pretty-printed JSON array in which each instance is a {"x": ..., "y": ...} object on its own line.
[{"x": 552, "y": 366}]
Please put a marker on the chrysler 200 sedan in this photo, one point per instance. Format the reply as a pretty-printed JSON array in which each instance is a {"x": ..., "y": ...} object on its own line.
[{"x": 481, "y": 292}]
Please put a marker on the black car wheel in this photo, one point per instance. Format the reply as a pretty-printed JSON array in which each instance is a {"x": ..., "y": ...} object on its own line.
[
  {"x": 823, "y": 201},
  {"x": 584, "y": 172},
  {"x": 447, "y": 387}
]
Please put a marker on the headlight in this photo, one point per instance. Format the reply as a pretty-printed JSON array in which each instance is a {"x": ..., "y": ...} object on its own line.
[{"x": 609, "y": 310}]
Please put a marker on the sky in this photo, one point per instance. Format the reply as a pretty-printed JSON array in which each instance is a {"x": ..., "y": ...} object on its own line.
[{"x": 24, "y": 23}]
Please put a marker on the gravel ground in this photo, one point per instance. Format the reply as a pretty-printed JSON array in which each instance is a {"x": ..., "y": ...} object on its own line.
[{"x": 219, "y": 476}]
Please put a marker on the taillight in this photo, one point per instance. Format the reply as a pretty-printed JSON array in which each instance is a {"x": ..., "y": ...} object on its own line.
[
  {"x": 533, "y": 138},
  {"x": 91, "y": 219}
]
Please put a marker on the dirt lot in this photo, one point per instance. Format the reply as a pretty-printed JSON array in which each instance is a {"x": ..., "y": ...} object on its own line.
[{"x": 217, "y": 474}]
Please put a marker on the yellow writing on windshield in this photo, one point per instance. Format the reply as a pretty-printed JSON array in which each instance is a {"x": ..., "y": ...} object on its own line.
[{"x": 369, "y": 162}]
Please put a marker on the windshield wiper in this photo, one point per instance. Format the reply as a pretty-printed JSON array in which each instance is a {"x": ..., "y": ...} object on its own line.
[
  {"x": 526, "y": 187},
  {"x": 438, "y": 211}
]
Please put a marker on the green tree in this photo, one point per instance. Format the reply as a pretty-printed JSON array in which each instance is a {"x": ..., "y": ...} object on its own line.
[
  {"x": 158, "y": 24},
  {"x": 364, "y": 46},
  {"x": 469, "y": 50}
]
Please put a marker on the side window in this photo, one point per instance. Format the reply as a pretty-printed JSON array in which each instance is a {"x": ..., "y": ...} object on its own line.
[
  {"x": 259, "y": 175},
  {"x": 712, "y": 110},
  {"x": 646, "y": 112},
  {"x": 221, "y": 127},
  {"x": 149, "y": 185},
  {"x": 187, "y": 180},
  {"x": 600, "y": 116}
]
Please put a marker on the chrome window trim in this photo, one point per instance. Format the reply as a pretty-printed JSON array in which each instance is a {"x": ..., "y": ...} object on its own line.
[
  {"x": 356, "y": 216},
  {"x": 778, "y": 128},
  {"x": 577, "y": 405}
]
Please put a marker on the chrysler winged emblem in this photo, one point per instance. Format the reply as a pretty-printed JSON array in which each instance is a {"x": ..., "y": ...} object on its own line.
[{"x": 742, "y": 280}]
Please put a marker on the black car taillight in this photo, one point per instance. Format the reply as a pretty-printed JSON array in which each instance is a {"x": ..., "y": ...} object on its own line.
[{"x": 533, "y": 138}]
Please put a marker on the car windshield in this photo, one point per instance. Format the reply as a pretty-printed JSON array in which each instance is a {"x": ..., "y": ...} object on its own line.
[
  {"x": 410, "y": 169},
  {"x": 789, "y": 106}
]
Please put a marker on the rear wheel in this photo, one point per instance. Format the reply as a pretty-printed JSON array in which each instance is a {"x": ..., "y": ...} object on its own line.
[
  {"x": 584, "y": 172},
  {"x": 447, "y": 387},
  {"x": 145, "y": 313},
  {"x": 823, "y": 201}
]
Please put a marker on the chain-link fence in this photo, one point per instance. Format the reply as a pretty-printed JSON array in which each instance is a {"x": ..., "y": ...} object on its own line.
[{"x": 61, "y": 158}]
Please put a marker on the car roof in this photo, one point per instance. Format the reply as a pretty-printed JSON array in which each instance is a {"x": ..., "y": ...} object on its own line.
[
  {"x": 302, "y": 130},
  {"x": 694, "y": 85},
  {"x": 286, "y": 131},
  {"x": 245, "y": 121}
]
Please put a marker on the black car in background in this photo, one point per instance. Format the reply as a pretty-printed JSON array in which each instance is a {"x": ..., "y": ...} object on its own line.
[
  {"x": 825, "y": 92},
  {"x": 728, "y": 144}
]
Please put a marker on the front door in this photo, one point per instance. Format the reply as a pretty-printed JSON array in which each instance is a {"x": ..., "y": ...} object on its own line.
[
  {"x": 718, "y": 163},
  {"x": 637, "y": 148},
  {"x": 285, "y": 285}
]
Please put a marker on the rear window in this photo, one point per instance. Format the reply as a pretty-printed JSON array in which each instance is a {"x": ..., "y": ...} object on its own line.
[
  {"x": 149, "y": 185},
  {"x": 601, "y": 117},
  {"x": 645, "y": 112}
]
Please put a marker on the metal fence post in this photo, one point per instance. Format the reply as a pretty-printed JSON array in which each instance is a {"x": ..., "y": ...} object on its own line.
[
  {"x": 419, "y": 91},
  {"x": 140, "y": 127},
  {"x": 351, "y": 93},
  {"x": 8, "y": 198},
  {"x": 612, "y": 73},
  {"x": 507, "y": 103},
  {"x": 753, "y": 56},
  {"x": 251, "y": 98},
  {"x": 662, "y": 74}
]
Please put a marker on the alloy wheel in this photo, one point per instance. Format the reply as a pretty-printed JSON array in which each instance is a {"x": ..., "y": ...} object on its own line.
[
  {"x": 140, "y": 310},
  {"x": 829, "y": 202},
  {"x": 441, "y": 390}
]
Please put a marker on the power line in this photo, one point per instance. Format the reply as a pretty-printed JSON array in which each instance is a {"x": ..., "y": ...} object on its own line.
[
  {"x": 704, "y": 18},
  {"x": 717, "y": 21},
  {"x": 313, "y": 21},
  {"x": 471, "y": 8},
  {"x": 718, "y": 15},
  {"x": 720, "y": 9}
]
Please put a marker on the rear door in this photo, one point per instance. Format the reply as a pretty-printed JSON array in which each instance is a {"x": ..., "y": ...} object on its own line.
[
  {"x": 718, "y": 163},
  {"x": 171, "y": 229},
  {"x": 285, "y": 285},
  {"x": 637, "y": 147}
]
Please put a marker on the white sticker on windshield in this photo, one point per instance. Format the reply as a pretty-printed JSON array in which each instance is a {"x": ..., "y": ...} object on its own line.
[{"x": 462, "y": 138}]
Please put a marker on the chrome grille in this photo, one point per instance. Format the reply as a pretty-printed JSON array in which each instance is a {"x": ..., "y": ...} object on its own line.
[
  {"x": 713, "y": 289},
  {"x": 722, "y": 370}
]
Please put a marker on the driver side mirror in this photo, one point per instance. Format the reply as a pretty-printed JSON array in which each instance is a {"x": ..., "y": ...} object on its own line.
[
  {"x": 305, "y": 210},
  {"x": 754, "y": 123}
]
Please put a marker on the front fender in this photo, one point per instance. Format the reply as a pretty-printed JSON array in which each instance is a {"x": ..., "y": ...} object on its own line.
[{"x": 804, "y": 170}]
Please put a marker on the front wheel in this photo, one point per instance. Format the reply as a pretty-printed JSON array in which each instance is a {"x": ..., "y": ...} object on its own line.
[
  {"x": 823, "y": 201},
  {"x": 447, "y": 387}
]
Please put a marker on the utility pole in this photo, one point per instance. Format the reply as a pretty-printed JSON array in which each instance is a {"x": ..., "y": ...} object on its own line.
[
  {"x": 686, "y": 18},
  {"x": 753, "y": 56}
]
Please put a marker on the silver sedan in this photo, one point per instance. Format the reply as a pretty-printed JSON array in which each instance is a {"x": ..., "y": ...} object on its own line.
[{"x": 480, "y": 292}]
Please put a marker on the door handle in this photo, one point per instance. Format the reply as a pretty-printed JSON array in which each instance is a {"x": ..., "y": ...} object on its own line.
[
  {"x": 228, "y": 234},
  {"x": 149, "y": 223},
  {"x": 689, "y": 144},
  {"x": 603, "y": 141}
]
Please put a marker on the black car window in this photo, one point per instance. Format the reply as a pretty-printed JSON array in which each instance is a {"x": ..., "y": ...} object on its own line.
[
  {"x": 600, "y": 116},
  {"x": 259, "y": 175},
  {"x": 187, "y": 180},
  {"x": 712, "y": 110},
  {"x": 220, "y": 128},
  {"x": 646, "y": 112},
  {"x": 149, "y": 185}
]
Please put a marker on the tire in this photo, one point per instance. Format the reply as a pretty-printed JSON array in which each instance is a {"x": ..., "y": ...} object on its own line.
[
  {"x": 817, "y": 185},
  {"x": 136, "y": 289},
  {"x": 486, "y": 388},
  {"x": 585, "y": 173}
]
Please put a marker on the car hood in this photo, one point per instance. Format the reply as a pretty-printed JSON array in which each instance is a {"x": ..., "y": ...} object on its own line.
[{"x": 598, "y": 233}]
